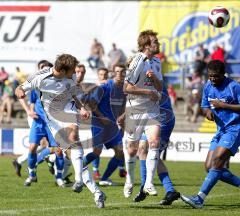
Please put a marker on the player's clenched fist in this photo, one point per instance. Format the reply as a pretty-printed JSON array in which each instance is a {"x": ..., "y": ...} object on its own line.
[{"x": 19, "y": 92}]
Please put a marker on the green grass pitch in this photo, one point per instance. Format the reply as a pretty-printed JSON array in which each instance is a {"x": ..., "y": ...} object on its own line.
[{"x": 44, "y": 198}]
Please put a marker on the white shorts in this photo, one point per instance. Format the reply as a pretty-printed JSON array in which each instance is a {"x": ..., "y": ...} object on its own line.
[
  {"x": 136, "y": 124},
  {"x": 58, "y": 123}
]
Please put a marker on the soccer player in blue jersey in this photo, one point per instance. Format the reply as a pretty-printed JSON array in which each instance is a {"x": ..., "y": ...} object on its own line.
[
  {"x": 221, "y": 103},
  {"x": 117, "y": 103},
  {"x": 105, "y": 130},
  {"x": 42, "y": 150},
  {"x": 38, "y": 130},
  {"x": 167, "y": 125}
]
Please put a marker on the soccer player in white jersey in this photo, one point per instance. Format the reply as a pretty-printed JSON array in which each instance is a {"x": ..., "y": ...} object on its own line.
[
  {"x": 144, "y": 86},
  {"x": 58, "y": 90}
]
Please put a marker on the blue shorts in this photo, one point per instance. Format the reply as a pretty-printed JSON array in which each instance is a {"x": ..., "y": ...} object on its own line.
[
  {"x": 109, "y": 137},
  {"x": 229, "y": 139},
  {"x": 38, "y": 130}
]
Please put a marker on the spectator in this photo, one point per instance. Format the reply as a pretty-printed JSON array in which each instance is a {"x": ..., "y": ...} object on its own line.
[
  {"x": 218, "y": 53},
  {"x": 116, "y": 56},
  {"x": 95, "y": 59},
  {"x": 201, "y": 59},
  {"x": 172, "y": 95},
  {"x": 20, "y": 77},
  {"x": 102, "y": 75},
  {"x": 7, "y": 102},
  {"x": 196, "y": 81},
  {"x": 3, "y": 78},
  {"x": 192, "y": 107}
]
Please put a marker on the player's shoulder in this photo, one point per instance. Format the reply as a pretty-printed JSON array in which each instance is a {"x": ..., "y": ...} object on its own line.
[
  {"x": 233, "y": 82},
  {"x": 41, "y": 74},
  {"x": 139, "y": 57}
]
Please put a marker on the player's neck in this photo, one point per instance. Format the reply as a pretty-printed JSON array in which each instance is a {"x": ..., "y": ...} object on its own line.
[
  {"x": 148, "y": 54},
  {"x": 57, "y": 74}
]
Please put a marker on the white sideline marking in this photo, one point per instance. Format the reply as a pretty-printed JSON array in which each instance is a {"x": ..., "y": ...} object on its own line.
[{"x": 18, "y": 211}]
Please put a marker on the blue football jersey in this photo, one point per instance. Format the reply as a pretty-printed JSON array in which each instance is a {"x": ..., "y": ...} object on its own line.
[
  {"x": 228, "y": 92},
  {"x": 166, "y": 111},
  {"x": 34, "y": 98}
]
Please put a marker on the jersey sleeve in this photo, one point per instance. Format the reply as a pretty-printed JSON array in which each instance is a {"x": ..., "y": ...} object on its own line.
[
  {"x": 135, "y": 68},
  {"x": 33, "y": 82},
  {"x": 205, "y": 103}
]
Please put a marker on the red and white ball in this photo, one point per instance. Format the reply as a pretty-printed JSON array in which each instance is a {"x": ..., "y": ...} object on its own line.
[{"x": 219, "y": 17}]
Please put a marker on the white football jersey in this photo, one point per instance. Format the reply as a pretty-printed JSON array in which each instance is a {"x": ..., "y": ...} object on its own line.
[
  {"x": 55, "y": 93},
  {"x": 137, "y": 76}
]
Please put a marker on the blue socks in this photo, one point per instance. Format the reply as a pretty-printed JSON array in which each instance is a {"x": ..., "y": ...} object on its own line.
[
  {"x": 143, "y": 173},
  {"x": 211, "y": 179},
  {"x": 230, "y": 178},
  {"x": 89, "y": 158},
  {"x": 95, "y": 164},
  {"x": 112, "y": 166},
  {"x": 41, "y": 156},
  {"x": 59, "y": 165},
  {"x": 121, "y": 164},
  {"x": 32, "y": 160},
  {"x": 166, "y": 181}
]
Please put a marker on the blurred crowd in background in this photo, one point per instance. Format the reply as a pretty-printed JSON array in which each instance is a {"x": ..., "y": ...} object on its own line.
[{"x": 193, "y": 83}]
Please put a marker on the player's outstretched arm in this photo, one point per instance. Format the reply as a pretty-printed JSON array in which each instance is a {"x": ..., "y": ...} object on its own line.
[{"x": 20, "y": 93}]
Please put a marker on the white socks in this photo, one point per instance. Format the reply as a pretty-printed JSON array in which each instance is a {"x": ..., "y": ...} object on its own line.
[
  {"x": 77, "y": 162},
  {"x": 130, "y": 163},
  {"x": 88, "y": 180},
  {"x": 151, "y": 164},
  {"x": 21, "y": 159}
]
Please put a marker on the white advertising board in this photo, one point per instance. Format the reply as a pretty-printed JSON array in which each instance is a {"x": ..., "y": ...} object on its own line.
[
  {"x": 42, "y": 30},
  {"x": 182, "y": 146}
]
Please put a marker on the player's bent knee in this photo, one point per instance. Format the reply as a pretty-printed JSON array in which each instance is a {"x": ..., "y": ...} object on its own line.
[
  {"x": 154, "y": 144},
  {"x": 97, "y": 151}
]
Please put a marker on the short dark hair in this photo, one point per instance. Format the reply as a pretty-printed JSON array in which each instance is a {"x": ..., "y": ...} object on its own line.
[
  {"x": 119, "y": 65},
  {"x": 81, "y": 66},
  {"x": 216, "y": 66},
  {"x": 102, "y": 68},
  {"x": 44, "y": 63},
  {"x": 144, "y": 39}
]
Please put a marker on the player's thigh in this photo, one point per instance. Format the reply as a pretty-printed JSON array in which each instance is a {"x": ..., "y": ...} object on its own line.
[
  {"x": 153, "y": 135},
  {"x": 230, "y": 139},
  {"x": 135, "y": 125},
  {"x": 73, "y": 133}
]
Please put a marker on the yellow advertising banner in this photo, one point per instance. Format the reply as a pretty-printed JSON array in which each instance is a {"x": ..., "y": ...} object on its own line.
[{"x": 183, "y": 25}]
